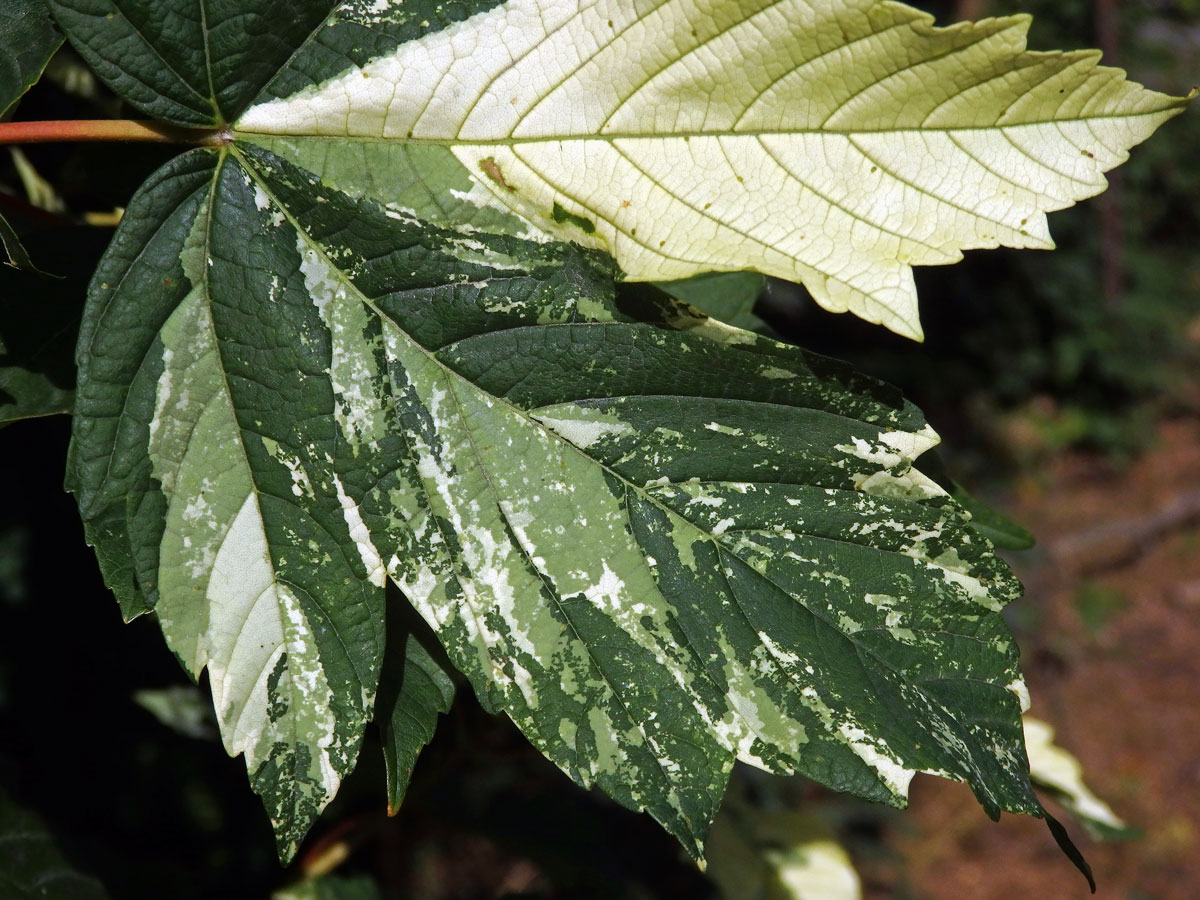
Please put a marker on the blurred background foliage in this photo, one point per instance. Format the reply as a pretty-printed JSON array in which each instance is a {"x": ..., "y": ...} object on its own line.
[{"x": 1027, "y": 354}]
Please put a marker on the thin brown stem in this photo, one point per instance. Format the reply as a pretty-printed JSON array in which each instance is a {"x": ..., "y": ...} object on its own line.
[{"x": 106, "y": 130}]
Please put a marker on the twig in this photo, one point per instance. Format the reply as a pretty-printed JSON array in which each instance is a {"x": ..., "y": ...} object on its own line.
[{"x": 1114, "y": 543}]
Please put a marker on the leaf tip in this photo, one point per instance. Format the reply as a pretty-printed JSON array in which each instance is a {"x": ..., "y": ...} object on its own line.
[
  {"x": 909, "y": 328},
  {"x": 1059, "y": 833}
]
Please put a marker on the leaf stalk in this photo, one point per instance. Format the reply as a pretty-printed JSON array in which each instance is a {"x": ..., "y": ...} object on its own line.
[{"x": 106, "y": 130}]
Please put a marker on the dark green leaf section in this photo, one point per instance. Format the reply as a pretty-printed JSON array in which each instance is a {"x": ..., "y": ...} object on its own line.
[
  {"x": 414, "y": 690},
  {"x": 188, "y": 62},
  {"x": 728, "y": 296},
  {"x": 28, "y": 38},
  {"x": 31, "y": 865},
  {"x": 358, "y": 31},
  {"x": 1067, "y": 846},
  {"x": 657, "y": 542},
  {"x": 139, "y": 283}
]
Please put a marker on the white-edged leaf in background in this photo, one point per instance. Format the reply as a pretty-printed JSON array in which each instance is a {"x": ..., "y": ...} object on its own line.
[
  {"x": 783, "y": 854},
  {"x": 1053, "y": 769},
  {"x": 180, "y": 707}
]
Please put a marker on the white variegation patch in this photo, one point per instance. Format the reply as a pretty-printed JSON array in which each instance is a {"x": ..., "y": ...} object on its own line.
[
  {"x": 1018, "y": 687},
  {"x": 242, "y": 592},
  {"x": 361, "y": 535},
  {"x": 353, "y": 372},
  {"x": 582, "y": 426}
]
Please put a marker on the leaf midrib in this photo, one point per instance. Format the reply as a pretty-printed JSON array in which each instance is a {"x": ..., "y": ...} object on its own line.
[
  {"x": 277, "y": 580},
  {"x": 610, "y": 137}
]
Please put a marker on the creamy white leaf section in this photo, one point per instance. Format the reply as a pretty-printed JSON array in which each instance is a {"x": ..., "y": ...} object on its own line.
[
  {"x": 222, "y": 605},
  {"x": 833, "y": 143}
]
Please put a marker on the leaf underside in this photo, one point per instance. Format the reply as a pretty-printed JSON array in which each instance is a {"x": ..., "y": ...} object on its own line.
[
  {"x": 310, "y": 364},
  {"x": 834, "y": 144}
]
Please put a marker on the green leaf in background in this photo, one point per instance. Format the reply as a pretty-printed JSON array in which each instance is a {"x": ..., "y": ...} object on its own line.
[
  {"x": 41, "y": 196},
  {"x": 330, "y": 887},
  {"x": 414, "y": 690},
  {"x": 783, "y": 854},
  {"x": 834, "y": 144},
  {"x": 991, "y": 524},
  {"x": 31, "y": 865},
  {"x": 1058, "y": 772},
  {"x": 17, "y": 257},
  {"x": 29, "y": 38},
  {"x": 39, "y": 322},
  {"x": 727, "y": 296}
]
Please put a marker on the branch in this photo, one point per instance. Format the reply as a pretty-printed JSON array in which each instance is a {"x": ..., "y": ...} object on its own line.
[
  {"x": 1105, "y": 546},
  {"x": 107, "y": 130}
]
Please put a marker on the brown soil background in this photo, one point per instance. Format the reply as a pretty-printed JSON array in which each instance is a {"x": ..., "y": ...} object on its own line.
[{"x": 1110, "y": 634}]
